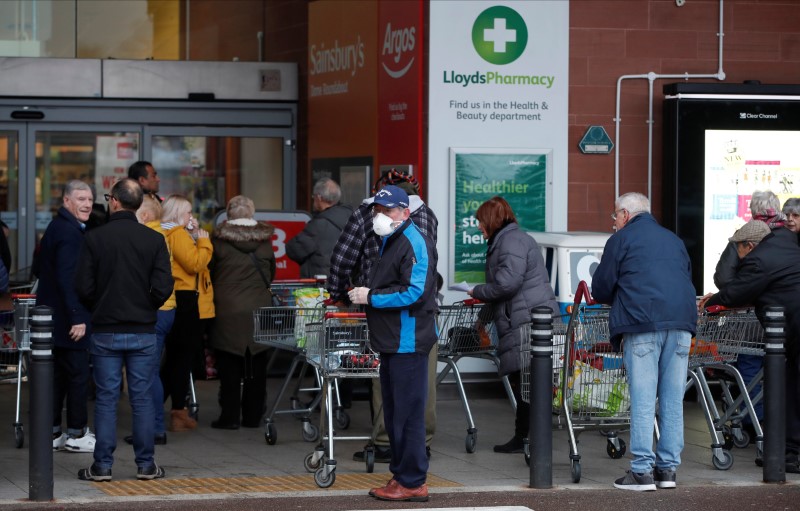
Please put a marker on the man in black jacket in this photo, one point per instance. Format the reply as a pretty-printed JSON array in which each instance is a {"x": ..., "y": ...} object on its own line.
[
  {"x": 769, "y": 274},
  {"x": 123, "y": 276}
]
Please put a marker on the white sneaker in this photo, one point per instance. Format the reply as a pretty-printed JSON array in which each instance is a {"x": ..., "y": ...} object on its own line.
[
  {"x": 81, "y": 444},
  {"x": 59, "y": 442}
]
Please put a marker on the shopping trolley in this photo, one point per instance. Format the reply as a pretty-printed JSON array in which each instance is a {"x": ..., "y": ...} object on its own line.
[
  {"x": 590, "y": 388},
  {"x": 339, "y": 347},
  {"x": 14, "y": 352},
  {"x": 466, "y": 330},
  {"x": 286, "y": 327},
  {"x": 722, "y": 335}
]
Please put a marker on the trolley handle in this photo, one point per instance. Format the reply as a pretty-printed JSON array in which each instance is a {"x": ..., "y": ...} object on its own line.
[
  {"x": 19, "y": 296},
  {"x": 292, "y": 282},
  {"x": 345, "y": 315},
  {"x": 471, "y": 302},
  {"x": 583, "y": 293}
]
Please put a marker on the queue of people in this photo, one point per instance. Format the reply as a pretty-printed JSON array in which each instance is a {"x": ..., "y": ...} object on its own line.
[{"x": 383, "y": 258}]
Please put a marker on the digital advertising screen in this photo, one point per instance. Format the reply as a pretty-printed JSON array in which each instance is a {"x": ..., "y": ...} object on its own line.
[{"x": 722, "y": 142}]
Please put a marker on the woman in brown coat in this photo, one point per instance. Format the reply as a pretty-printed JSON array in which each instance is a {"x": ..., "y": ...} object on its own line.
[{"x": 242, "y": 247}]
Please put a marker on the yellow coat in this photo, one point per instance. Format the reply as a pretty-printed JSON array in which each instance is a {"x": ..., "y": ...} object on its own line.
[
  {"x": 190, "y": 267},
  {"x": 156, "y": 226}
]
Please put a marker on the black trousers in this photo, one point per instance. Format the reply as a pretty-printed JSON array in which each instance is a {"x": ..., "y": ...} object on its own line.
[
  {"x": 522, "y": 423},
  {"x": 181, "y": 345},
  {"x": 242, "y": 387},
  {"x": 71, "y": 374}
]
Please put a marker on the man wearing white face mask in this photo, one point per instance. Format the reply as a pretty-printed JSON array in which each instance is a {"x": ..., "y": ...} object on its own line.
[
  {"x": 401, "y": 305},
  {"x": 353, "y": 259}
]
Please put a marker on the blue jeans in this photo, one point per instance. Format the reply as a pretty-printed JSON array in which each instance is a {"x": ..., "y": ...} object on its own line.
[
  {"x": 656, "y": 363},
  {"x": 137, "y": 352},
  {"x": 163, "y": 327}
]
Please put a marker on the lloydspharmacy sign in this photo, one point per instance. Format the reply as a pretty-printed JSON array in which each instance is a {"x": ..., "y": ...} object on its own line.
[{"x": 499, "y": 36}]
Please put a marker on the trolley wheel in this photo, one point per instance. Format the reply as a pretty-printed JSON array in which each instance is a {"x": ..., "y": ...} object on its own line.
[
  {"x": 471, "y": 441},
  {"x": 322, "y": 480},
  {"x": 310, "y": 432},
  {"x": 727, "y": 438},
  {"x": 19, "y": 436},
  {"x": 369, "y": 459},
  {"x": 342, "y": 418},
  {"x": 613, "y": 452},
  {"x": 311, "y": 465},
  {"x": 742, "y": 440},
  {"x": 270, "y": 433},
  {"x": 575, "y": 469},
  {"x": 725, "y": 463}
]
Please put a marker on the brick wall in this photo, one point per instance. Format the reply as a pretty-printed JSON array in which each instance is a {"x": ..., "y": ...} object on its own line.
[{"x": 609, "y": 39}]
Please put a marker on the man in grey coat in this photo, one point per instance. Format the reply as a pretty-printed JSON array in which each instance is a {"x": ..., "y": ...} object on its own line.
[{"x": 313, "y": 246}]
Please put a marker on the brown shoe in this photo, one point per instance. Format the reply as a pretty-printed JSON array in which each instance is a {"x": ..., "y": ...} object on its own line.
[
  {"x": 179, "y": 420},
  {"x": 400, "y": 493},
  {"x": 389, "y": 485}
]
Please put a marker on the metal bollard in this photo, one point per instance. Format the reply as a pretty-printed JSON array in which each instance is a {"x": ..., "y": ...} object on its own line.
[
  {"x": 40, "y": 467},
  {"x": 774, "y": 468},
  {"x": 541, "y": 398}
]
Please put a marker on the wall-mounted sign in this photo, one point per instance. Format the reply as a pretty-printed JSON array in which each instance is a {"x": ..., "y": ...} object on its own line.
[
  {"x": 596, "y": 141},
  {"x": 520, "y": 176}
]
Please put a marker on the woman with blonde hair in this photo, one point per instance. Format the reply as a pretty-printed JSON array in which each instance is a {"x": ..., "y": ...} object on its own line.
[
  {"x": 191, "y": 251},
  {"x": 242, "y": 268}
]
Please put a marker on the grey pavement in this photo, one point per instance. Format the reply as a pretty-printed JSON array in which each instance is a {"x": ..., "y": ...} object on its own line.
[{"x": 232, "y": 456}]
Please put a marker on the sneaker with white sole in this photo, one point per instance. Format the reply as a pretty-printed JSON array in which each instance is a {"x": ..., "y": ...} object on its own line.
[
  {"x": 59, "y": 442},
  {"x": 636, "y": 482},
  {"x": 665, "y": 478},
  {"x": 84, "y": 443}
]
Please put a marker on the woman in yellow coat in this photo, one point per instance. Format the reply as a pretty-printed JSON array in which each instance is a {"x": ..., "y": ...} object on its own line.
[{"x": 191, "y": 251}]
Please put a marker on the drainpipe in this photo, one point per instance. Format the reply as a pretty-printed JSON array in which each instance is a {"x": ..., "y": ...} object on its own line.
[{"x": 652, "y": 77}]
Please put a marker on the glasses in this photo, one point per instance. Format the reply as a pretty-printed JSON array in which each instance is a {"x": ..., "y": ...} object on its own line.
[
  {"x": 614, "y": 214},
  {"x": 108, "y": 197}
]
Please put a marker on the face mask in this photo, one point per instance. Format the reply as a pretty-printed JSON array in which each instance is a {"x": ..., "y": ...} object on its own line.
[{"x": 382, "y": 225}]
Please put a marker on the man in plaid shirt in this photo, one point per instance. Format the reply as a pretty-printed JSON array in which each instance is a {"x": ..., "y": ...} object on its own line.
[{"x": 354, "y": 255}]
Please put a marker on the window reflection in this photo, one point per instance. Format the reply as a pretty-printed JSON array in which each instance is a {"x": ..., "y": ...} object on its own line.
[{"x": 211, "y": 170}]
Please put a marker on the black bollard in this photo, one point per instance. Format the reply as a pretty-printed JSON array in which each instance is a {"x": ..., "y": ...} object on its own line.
[
  {"x": 40, "y": 467},
  {"x": 774, "y": 468},
  {"x": 541, "y": 398}
]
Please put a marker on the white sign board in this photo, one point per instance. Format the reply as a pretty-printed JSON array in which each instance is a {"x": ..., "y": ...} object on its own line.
[{"x": 498, "y": 78}]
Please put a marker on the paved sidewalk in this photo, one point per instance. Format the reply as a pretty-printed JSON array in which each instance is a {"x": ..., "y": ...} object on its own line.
[{"x": 209, "y": 463}]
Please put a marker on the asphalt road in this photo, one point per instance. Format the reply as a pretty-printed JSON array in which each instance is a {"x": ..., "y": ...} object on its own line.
[{"x": 741, "y": 498}]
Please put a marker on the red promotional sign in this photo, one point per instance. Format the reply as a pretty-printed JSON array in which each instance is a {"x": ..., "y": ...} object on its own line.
[
  {"x": 287, "y": 225},
  {"x": 400, "y": 87}
]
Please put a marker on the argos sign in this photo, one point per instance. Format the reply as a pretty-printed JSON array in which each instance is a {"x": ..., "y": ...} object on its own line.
[{"x": 399, "y": 46}]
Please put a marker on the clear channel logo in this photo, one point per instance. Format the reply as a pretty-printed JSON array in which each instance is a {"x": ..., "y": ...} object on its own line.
[{"x": 499, "y": 35}]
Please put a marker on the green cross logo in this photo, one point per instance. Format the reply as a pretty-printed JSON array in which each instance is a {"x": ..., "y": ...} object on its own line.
[{"x": 499, "y": 35}]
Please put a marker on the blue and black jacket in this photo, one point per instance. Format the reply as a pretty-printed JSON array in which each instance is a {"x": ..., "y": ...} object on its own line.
[{"x": 401, "y": 309}]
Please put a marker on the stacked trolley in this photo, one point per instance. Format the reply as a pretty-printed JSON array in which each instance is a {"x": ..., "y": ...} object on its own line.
[
  {"x": 465, "y": 330},
  {"x": 14, "y": 351},
  {"x": 723, "y": 335},
  {"x": 285, "y": 327},
  {"x": 590, "y": 388},
  {"x": 339, "y": 347}
]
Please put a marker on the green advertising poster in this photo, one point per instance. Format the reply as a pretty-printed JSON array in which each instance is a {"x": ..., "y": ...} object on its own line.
[{"x": 520, "y": 176}]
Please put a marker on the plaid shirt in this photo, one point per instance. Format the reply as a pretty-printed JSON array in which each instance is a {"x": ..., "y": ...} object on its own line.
[{"x": 358, "y": 248}]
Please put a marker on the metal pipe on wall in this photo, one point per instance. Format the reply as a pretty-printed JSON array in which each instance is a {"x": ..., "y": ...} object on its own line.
[{"x": 652, "y": 77}]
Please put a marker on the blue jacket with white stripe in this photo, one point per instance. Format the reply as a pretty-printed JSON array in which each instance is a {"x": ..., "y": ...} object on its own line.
[{"x": 401, "y": 309}]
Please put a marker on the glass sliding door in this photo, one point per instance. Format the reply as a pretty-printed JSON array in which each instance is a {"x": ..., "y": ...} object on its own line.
[
  {"x": 210, "y": 169},
  {"x": 98, "y": 157},
  {"x": 9, "y": 196}
]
